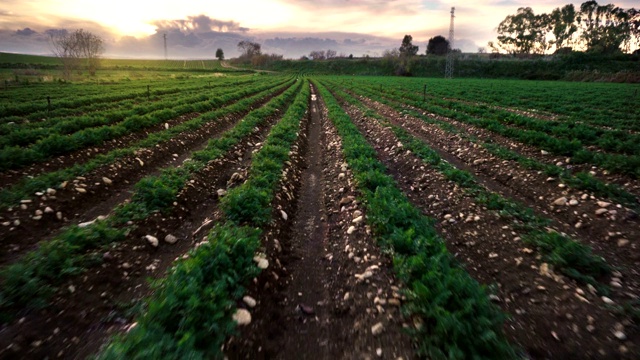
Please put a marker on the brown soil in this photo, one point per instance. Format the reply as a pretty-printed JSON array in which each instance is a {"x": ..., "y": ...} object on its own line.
[
  {"x": 551, "y": 316},
  {"x": 101, "y": 198},
  {"x": 77, "y": 323},
  {"x": 312, "y": 306}
]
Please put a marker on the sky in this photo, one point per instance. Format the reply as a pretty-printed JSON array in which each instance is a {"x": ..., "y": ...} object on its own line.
[{"x": 196, "y": 28}]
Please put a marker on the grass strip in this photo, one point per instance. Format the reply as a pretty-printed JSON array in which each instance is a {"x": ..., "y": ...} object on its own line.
[{"x": 458, "y": 320}]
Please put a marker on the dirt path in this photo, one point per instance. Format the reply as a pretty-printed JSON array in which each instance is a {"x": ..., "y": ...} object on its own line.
[
  {"x": 317, "y": 308},
  {"x": 551, "y": 316}
]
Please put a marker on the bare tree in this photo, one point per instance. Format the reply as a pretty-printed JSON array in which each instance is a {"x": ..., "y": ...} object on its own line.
[
  {"x": 73, "y": 48},
  {"x": 331, "y": 54},
  {"x": 249, "y": 50},
  {"x": 317, "y": 55}
]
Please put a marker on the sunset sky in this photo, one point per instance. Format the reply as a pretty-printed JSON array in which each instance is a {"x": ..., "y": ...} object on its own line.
[{"x": 133, "y": 28}]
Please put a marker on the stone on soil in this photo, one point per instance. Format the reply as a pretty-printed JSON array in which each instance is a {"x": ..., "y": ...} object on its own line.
[
  {"x": 170, "y": 239},
  {"x": 242, "y": 317},
  {"x": 152, "y": 240},
  {"x": 251, "y": 302},
  {"x": 377, "y": 329}
]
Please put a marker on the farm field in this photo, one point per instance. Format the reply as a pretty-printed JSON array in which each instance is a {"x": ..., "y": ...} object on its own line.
[{"x": 255, "y": 215}]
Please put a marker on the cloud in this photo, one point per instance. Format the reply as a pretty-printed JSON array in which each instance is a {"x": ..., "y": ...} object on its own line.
[
  {"x": 200, "y": 24},
  {"x": 26, "y": 32}
]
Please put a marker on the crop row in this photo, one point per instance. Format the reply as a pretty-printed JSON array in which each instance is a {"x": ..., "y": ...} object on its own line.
[
  {"x": 572, "y": 258},
  {"x": 458, "y": 319},
  {"x": 190, "y": 313},
  {"x": 603, "y": 104},
  {"x": 133, "y": 95},
  {"x": 32, "y": 279},
  {"x": 25, "y": 105},
  {"x": 56, "y": 144},
  {"x": 580, "y": 180},
  {"x": 22, "y": 135},
  {"x": 620, "y": 164},
  {"x": 612, "y": 140},
  {"x": 27, "y": 187}
]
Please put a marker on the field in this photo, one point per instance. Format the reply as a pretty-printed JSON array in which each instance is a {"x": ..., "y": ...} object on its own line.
[{"x": 206, "y": 212}]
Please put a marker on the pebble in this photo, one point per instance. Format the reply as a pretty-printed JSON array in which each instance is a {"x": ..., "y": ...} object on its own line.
[
  {"x": 59, "y": 215},
  {"x": 603, "y": 204},
  {"x": 152, "y": 240},
  {"x": 377, "y": 329},
  {"x": 379, "y": 352},
  {"x": 620, "y": 335},
  {"x": 48, "y": 210},
  {"x": 284, "y": 215},
  {"x": 351, "y": 230},
  {"x": 51, "y": 191},
  {"x": 222, "y": 192},
  {"x": 81, "y": 190},
  {"x": 560, "y": 201},
  {"x": 170, "y": 239},
  {"x": 623, "y": 242},
  {"x": 601, "y": 211},
  {"x": 242, "y": 317},
  {"x": 607, "y": 300},
  {"x": 573, "y": 202},
  {"x": 251, "y": 302},
  {"x": 106, "y": 180},
  {"x": 543, "y": 152},
  {"x": 357, "y": 220}
]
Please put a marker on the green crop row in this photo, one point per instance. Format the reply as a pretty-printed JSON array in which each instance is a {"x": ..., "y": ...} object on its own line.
[
  {"x": 458, "y": 320},
  {"x": 572, "y": 258},
  {"x": 32, "y": 279},
  {"x": 28, "y": 186},
  {"x": 190, "y": 313},
  {"x": 56, "y": 144},
  {"x": 580, "y": 181},
  {"x": 620, "y": 164},
  {"x": 25, "y": 134},
  {"x": 162, "y": 92}
]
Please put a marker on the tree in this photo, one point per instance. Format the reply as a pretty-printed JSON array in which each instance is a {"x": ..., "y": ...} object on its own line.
[
  {"x": 331, "y": 54},
  {"x": 524, "y": 32},
  {"x": 563, "y": 25},
  {"x": 249, "y": 49},
  {"x": 407, "y": 48},
  {"x": 73, "y": 48},
  {"x": 604, "y": 27},
  {"x": 317, "y": 55},
  {"x": 220, "y": 54},
  {"x": 438, "y": 45}
]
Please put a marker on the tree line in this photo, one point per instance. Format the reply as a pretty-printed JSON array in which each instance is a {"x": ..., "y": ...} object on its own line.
[{"x": 593, "y": 28}]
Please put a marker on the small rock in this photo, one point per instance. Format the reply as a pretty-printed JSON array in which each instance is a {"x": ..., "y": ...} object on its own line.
[
  {"x": 251, "y": 302},
  {"x": 81, "y": 190},
  {"x": 377, "y": 329},
  {"x": 51, "y": 191},
  {"x": 170, "y": 239},
  {"x": 341, "y": 176},
  {"x": 222, "y": 192},
  {"x": 242, "y": 317},
  {"x": 601, "y": 211},
  {"x": 59, "y": 215},
  {"x": 607, "y": 300},
  {"x": 106, "y": 180},
  {"x": 560, "y": 201},
  {"x": 573, "y": 202},
  {"x": 623, "y": 242},
  {"x": 379, "y": 352},
  {"x": 543, "y": 152},
  {"x": 307, "y": 310},
  {"x": 351, "y": 230},
  {"x": 357, "y": 220},
  {"x": 603, "y": 204},
  {"x": 48, "y": 210},
  {"x": 620, "y": 335},
  {"x": 72, "y": 289},
  {"x": 152, "y": 240},
  {"x": 284, "y": 215}
]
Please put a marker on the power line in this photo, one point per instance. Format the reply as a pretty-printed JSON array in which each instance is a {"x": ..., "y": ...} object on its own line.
[{"x": 448, "y": 72}]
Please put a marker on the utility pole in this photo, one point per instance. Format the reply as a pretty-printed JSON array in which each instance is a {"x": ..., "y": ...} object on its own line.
[
  {"x": 448, "y": 72},
  {"x": 165, "y": 46}
]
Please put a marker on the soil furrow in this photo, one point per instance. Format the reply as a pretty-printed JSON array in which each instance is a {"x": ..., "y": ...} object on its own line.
[
  {"x": 313, "y": 306},
  {"x": 551, "y": 316},
  {"x": 77, "y": 322},
  {"x": 101, "y": 195}
]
